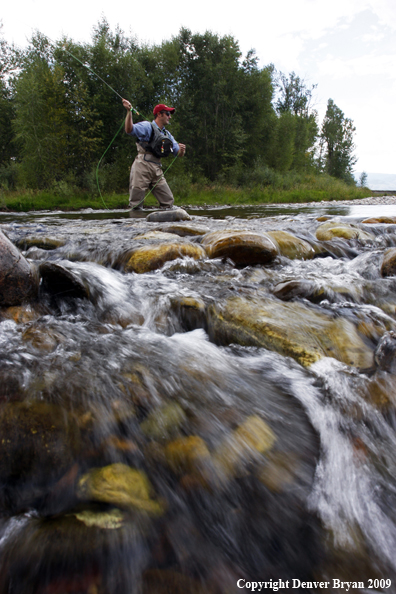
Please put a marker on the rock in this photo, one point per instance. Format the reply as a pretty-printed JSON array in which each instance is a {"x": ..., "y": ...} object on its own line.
[
  {"x": 302, "y": 289},
  {"x": 38, "y": 443},
  {"x": 388, "y": 266},
  {"x": 18, "y": 281},
  {"x": 190, "y": 311},
  {"x": 164, "y": 421},
  {"x": 251, "y": 437},
  {"x": 291, "y": 246},
  {"x": 187, "y": 454},
  {"x": 22, "y": 314},
  {"x": 60, "y": 283},
  {"x": 121, "y": 486},
  {"x": 43, "y": 338},
  {"x": 334, "y": 229},
  {"x": 385, "y": 353},
  {"x": 161, "y": 216},
  {"x": 106, "y": 520},
  {"x": 376, "y": 220},
  {"x": 184, "y": 230},
  {"x": 43, "y": 243},
  {"x": 245, "y": 248},
  {"x": 291, "y": 329},
  {"x": 152, "y": 257}
]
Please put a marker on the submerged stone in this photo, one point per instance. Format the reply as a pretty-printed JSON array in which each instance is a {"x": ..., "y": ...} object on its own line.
[
  {"x": 187, "y": 454},
  {"x": 18, "y": 282},
  {"x": 253, "y": 436},
  {"x": 291, "y": 329},
  {"x": 38, "y": 443},
  {"x": 121, "y": 486},
  {"x": 151, "y": 257},
  {"x": 245, "y": 248},
  {"x": 44, "y": 243},
  {"x": 164, "y": 421}
]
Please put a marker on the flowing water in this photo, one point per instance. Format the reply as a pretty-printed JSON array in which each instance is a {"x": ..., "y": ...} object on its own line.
[{"x": 128, "y": 380}]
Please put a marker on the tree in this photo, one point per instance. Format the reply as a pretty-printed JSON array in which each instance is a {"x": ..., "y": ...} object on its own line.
[
  {"x": 294, "y": 98},
  {"x": 336, "y": 144}
]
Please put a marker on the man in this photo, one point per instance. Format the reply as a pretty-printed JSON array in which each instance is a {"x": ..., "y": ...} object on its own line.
[{"x": 146, "y": 170}]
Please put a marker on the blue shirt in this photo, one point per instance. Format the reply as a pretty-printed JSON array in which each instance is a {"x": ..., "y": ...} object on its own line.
[{"x": 142, "y": 131}]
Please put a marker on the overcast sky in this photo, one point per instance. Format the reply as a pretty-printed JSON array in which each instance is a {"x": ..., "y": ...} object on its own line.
[{"x": 346, "y": 47}]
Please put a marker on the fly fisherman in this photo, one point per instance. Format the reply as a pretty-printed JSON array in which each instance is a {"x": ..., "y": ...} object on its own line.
[{"x": 153, "y": 142}]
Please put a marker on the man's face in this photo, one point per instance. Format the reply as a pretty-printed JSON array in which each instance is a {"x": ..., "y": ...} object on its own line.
[{"x": 164, "y": 118}]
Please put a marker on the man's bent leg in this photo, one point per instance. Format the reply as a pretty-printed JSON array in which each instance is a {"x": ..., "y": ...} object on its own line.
[{"x": 163, "y": 193}]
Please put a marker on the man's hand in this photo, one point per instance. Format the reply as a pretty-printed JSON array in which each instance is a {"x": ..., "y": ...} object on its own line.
[
  {"x": 182, "y": 149},
  {"x": 127, "y": 104}
]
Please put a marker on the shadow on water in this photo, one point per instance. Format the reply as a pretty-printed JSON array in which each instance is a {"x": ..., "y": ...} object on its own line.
[{"x": 160, "y": 435}]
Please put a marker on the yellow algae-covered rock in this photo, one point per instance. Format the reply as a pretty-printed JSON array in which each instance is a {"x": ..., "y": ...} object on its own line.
[
  {"x": 335, "y": 229},
  {"x": 243, "y": 247},
  {"x": 187, "y": 454},
  {"x": 388, "y": 266},
  {"x": 291, "y": 329},
  {"x": 121, "y": 486},
  {"x": 291, "y": 246},
  {"x": 376, "y": 220},
  {"x": 152, "y": 257},
  {"x": 252, "y": 436}
]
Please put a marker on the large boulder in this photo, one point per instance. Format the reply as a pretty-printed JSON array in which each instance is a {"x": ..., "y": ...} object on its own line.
[
  {"x": 245, "y": 248},
  {"x": 291, "y": 329},
  {"x": 18, "y": 281}
]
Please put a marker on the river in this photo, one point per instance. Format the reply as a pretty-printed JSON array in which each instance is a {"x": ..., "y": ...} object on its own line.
[{"x": 152, "y": 443}]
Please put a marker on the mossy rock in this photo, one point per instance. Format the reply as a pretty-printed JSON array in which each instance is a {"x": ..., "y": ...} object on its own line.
[
  {"x": 119, "y": 485},
  {"x": 291, "y": 329},
  {"x": 388, "y": 266},
  {"x": 336, "y": 230},
  {"x": 18, "y": 280},
  {"x": 151, "y": 257},
  {"x": 245, "y": 248},
  {"x": 291, "y": 246}
]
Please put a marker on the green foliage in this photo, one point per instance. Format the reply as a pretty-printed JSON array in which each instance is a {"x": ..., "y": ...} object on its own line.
[
  {"x": 337, "y": 146},
  {"x": 60, "y": 109}
]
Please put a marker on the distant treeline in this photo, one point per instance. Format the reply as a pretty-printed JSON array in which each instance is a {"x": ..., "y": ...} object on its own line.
[{"x": 243, "y": 125}]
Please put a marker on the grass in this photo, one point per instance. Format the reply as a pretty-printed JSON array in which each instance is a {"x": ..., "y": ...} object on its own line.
[{"x": 316, "y": 189}]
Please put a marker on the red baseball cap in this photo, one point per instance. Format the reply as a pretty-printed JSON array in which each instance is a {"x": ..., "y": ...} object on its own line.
[{"x": 162, "y": 107}]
